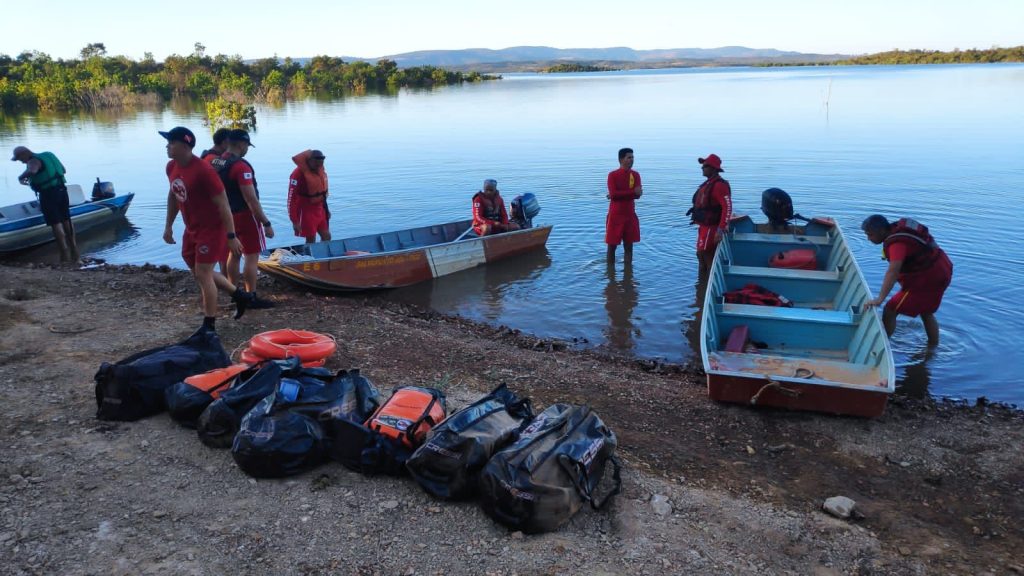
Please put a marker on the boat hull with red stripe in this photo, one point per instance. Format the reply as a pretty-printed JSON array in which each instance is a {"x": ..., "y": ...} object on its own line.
[{"x": 399, "y": 258}]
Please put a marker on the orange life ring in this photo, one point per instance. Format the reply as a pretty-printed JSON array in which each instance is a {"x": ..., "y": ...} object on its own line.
[
  {"x": 251, "y": 358},
  {"x": 278, "y": 344}
]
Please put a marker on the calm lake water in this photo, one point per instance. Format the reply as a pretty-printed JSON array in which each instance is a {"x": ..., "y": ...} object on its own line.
[{"x": 943, "y": 144}]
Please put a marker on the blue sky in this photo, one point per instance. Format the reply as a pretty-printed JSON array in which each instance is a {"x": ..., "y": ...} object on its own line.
[{"x": 262, "y": 28}]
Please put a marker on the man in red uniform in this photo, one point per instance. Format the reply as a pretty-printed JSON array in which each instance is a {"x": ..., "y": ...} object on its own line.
[
  {"x": 622, "y": 225},
  {"x": 711, "y": 211},
  {"x": 251, "y": 223},
  {"x": 307, "y": 197},
  {"x": 923, "y": 270},
  {"x": 489, "y": 213},
  {"x": 220, "y": 145},
  {"x": 197, "y": 192}
]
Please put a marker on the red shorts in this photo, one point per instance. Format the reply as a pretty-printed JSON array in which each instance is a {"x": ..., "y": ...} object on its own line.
[
  {"x": 621, "y": 228},
  {"x": 312, "y": 219},
  {"x": 250, "y": 232},
  {"x": 203, "y": 247},
  {"x": 706, "y": 238},
  {"x": 926, "y": 299}
]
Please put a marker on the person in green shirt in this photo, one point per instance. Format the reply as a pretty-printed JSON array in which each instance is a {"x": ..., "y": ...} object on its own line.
[{"x": 45, "y": 175}]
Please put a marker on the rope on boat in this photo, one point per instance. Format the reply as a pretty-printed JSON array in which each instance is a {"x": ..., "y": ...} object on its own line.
[{"x": 772, "y": 384}]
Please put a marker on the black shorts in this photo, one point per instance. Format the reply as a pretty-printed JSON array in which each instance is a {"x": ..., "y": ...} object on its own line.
[{"x": 54, "y": 204}]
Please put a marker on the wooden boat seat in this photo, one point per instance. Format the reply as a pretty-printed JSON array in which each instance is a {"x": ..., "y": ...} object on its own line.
[
  {"x": 781, "y": 313},
  {"x": 766, "y": 272}
]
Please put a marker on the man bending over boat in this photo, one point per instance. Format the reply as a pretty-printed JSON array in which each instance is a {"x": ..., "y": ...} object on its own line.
[
  {"x": 489, "y": 213},
  {"x": 711, "y": 210},
  {"x": 197, "y": 192},
  {"x": 45, "y": 175},
  {"x": 251, "y": 223},
  {"x": 922, "y": 269},
  {"x": 307, "y": 197}
]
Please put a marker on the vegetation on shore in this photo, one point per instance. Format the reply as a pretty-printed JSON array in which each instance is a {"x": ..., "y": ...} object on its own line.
[
  {"x": 972, "y": 56},
  {"x": 96, "y": 80},
  {"x": 575, "y": 67}
]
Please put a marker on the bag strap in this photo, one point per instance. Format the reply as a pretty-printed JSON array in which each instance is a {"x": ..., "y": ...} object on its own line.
[{"x": 581, "y": 479}]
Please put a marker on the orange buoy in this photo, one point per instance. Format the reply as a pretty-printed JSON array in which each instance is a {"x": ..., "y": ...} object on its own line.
[
  {"x": 278, "y": 344},
  {"x": 798, "y": 259}
]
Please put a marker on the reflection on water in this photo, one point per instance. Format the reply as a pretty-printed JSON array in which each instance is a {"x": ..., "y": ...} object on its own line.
[
  {"x": 916, "y": 374},
  {"x": 101, "y": 239},
  {"x": 620, "y": 299}
]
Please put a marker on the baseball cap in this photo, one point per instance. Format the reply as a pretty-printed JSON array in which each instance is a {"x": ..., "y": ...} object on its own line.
[
  {"x": 180, "y": 134},
  {"x": 317, "y": 154},
  {"x": 18, "y": 151},
  {"x": 712, "y": 160},
  {"x": 239, "y": 135}
]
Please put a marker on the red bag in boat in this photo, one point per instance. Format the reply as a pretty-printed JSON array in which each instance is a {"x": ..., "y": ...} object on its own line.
[{"x": 798, "y": 259}]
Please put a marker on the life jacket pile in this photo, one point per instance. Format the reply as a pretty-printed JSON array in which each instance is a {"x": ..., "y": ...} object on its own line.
[
  {"x": 758, "y": 296},
  {"x": 908, "y": 230}
]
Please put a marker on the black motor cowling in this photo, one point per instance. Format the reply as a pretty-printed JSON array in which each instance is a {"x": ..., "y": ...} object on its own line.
[
  {"x": 102, "y": 190},
  {"x": 777, "y": 206}
]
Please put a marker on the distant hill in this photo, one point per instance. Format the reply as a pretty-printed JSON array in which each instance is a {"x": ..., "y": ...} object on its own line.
[{"x": 539, "y": 57}]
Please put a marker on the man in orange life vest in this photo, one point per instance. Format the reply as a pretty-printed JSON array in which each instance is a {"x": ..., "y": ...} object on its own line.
[
  {"x": 307, "y": 197},
  {"x": 251, "y": 223},
  {"x": 197, "y": 192},
  {"x": 711, "y": 211},
  {"x": 621, "y": 225},
  {"x": 922, "y": 269},
  {"x": 489, "y": 213}
]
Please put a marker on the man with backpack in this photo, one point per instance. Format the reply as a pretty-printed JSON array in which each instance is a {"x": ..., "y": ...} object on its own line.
[
  {"x": 251, "y": 223},
  {"x": 45, "y": 175}
]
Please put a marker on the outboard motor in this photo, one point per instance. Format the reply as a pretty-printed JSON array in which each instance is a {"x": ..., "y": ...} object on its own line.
[
  {"x": 102, "y": 190},
  {"x": 777, "y": 206},
  {"x": 524, "y": 208}
]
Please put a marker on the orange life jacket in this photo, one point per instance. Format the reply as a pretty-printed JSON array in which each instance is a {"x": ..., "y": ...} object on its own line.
[
  {"x": 909, "y": 231},
  {"x": 316, "y": 182}
]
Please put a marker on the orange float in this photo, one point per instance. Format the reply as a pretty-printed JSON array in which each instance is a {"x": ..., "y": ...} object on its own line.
[{"x": 287, "y": 343}]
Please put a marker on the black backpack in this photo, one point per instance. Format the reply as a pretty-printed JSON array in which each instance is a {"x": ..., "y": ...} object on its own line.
[
  {"x": 134, "y": 388},
  {"x": 449, "y": 463},
  {"x": 538, "y": 482}
]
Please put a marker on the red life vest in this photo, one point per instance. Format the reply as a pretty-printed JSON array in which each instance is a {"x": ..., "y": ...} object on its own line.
[
  {"x": 910, "y": 231},
  {"x": 706, "y": 210},
  {"x": 754, "y": 294}
]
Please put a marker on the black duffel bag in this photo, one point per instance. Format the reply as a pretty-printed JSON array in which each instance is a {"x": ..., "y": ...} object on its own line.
[
  {"x": 219, "y": 422},
  {"x": 448, "y": 464},
  {"x": 134, "y": 388},
  {"x": 284, "y": 434},
  {"x": 538, "y": 482}
]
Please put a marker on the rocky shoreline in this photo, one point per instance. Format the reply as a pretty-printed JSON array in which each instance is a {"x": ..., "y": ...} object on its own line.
[{"x": 709, "y": 488}]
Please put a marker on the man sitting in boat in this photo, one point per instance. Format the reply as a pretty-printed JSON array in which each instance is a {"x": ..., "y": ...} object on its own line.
[
  {"x": 489, "y": 213},
  {"x": 307, "y": 197},
  {"x": 45, "y": 175},
  {"x": 922, "y": 269}
]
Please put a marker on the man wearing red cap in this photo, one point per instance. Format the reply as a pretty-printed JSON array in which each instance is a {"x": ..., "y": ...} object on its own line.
[
  {"x": 197, "y": 192},
  {"x": 622, "y": 225},
  {"x": 711, "y": 211}
]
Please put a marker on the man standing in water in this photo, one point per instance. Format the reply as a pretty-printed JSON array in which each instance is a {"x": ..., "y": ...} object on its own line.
[
  {"x": 711, "y": 211},
  {"x": 307, "y": 197},
  {"x": 622, "y": 225},
  {"x": 45, "y": 175},
  {"x": 197, "y": 192},
  {"x": 923, "y": 270},
  {"x": 251, "y": 223}
]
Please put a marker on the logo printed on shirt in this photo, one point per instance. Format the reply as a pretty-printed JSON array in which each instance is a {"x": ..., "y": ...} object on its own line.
[
  {"x": 247, "y": 176},
  {"x": 179, "y": 190},
  {"x": 295, "y": 182}
]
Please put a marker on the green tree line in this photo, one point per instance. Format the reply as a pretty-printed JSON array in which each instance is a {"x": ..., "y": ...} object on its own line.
[
  {"x": 35, "y": 80},
  {"x": 575, "y": 67},
  {"x": 972, "y": 56}
]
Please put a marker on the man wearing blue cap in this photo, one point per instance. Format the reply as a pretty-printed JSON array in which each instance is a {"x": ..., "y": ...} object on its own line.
[{"x": 197, "y": 192}]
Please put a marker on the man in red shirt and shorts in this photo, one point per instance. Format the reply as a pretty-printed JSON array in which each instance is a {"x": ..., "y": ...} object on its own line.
[
  {"x": 711, "y": 211},
  {"x": 251, "y": 223},
  {"x": 923, "y": 270},
  {"x": 197, "y": 192},
  {"x": 622, "y": 225}
]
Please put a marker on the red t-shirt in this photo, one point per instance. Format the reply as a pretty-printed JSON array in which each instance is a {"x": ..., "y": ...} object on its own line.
[
  {"x": 194, "y": 185},
  {"x": 621, "y": 184}
]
